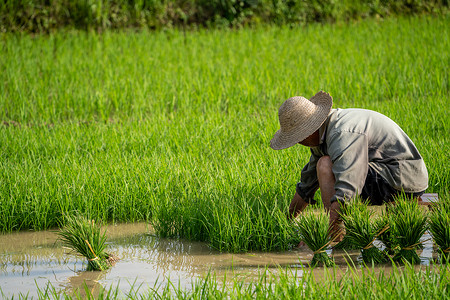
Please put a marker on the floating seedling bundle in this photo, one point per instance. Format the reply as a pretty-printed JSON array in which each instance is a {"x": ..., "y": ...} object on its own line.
[
  {"x": 439, "y": 225},
  {"x": 407, "y": 224},
  {"x": 362, "y": 229},
  {"x": 88, "y": 239},
  {"x": 313, "y": 227}
]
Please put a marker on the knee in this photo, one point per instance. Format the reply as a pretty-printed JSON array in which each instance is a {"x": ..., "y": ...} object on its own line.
[{"x": 324, "y": 165}]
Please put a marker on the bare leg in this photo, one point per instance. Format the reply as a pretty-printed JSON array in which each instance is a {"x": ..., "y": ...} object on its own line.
[
  {"x": 297, "y": 206},
  {"x": 326, "y": 182}
]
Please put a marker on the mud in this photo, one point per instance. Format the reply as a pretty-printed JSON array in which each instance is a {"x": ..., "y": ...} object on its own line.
[{"x": 29, "y": 261}]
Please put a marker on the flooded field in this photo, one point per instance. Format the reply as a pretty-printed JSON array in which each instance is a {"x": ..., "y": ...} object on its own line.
[{"x": 29, "y": 261}]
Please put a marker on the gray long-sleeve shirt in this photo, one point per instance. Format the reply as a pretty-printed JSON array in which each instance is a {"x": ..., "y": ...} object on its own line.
[{"x": 356, "y": 139}]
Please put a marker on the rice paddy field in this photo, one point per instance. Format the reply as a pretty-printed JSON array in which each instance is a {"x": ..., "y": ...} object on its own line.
[{"x": 173, "y": 128}]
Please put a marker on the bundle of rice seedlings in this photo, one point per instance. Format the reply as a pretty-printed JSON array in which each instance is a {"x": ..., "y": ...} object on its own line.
[
  {"x": 439, "y": 226},
  {"x": 362, "y": 229},
  {"x": 407, "y": 223},
  {"x": 384, "y": 235},
  {"x": 346, "y": 243},
  {"x": 88, "y": 239},
  {"x": 313, "y": 227}
]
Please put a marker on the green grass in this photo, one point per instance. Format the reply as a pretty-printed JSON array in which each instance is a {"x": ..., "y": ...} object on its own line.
[{"x": 175, "y": 129}]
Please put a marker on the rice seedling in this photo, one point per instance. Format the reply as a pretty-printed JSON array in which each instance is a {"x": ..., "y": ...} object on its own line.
[
  {"x": 313, "y": 227},
  {"x": 345, "y": 244},
  {"x": 87, "y": 239},
  {"x": 407, "y": 223},
  {"x": 362, "y": 229},
  {"x": 385, "y": 235},
  {"x": 439, "y": 226}
]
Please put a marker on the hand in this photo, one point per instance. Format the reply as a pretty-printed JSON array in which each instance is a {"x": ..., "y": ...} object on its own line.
[
  {"x": 336, "y": 231},
  {"x": 301, "y": 244},
  {"x": 297, "y": 205}
]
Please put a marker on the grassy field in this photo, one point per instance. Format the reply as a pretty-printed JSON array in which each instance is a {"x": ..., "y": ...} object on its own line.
[{"x": 174, "y": 127}]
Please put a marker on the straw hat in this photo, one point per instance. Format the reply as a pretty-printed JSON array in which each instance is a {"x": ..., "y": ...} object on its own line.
[{"x": 299, "y": 118}]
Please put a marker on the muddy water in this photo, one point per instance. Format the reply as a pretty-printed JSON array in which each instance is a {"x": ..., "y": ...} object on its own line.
[{"x": 31, "y": 260}]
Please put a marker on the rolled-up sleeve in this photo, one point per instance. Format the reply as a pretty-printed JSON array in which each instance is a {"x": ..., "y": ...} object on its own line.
[
  {"x": 308, "y": 182},
  {"x": 349, "y": 153}
]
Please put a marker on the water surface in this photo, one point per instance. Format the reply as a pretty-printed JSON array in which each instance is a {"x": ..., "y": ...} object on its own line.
[{"x": 31, "y": 260}]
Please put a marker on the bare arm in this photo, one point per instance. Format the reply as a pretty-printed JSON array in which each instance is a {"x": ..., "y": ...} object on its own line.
[
  {"x": 297, "y": 206},
  {"x": 335, "y": 221}
]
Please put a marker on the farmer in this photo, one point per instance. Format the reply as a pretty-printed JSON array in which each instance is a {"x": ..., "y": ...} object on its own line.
[{"x": 353, "y": 152}]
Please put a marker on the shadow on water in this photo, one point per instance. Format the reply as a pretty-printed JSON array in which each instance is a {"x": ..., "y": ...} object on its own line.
[{"x": 31, "y": 260}]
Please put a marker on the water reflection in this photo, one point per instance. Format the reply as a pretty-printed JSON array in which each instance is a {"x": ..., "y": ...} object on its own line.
[
  {"x": 83, "y": 280},
  {"x": 428, "y": 252}
]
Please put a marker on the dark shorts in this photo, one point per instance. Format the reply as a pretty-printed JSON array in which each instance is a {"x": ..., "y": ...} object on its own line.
[{"x": 378, "y": 191}]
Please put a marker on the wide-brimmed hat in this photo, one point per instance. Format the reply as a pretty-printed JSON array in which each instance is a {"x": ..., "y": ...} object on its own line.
[{"x": 299, "y": 118}]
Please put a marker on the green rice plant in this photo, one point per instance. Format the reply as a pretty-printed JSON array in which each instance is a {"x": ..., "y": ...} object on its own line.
[
  {"x": 313, "y": 227},
  {"x": 245, "y": 224},
  {"x": 362, "y": 229},
  {"x": 385, "y": 235},
  {"x": 439, "y": 226},
  {"x": 101, "y": 124},
  {"x": 407, "y": 223},
  {"x": 87, "y": 238},
  {"x": 345, "y": 244}
]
